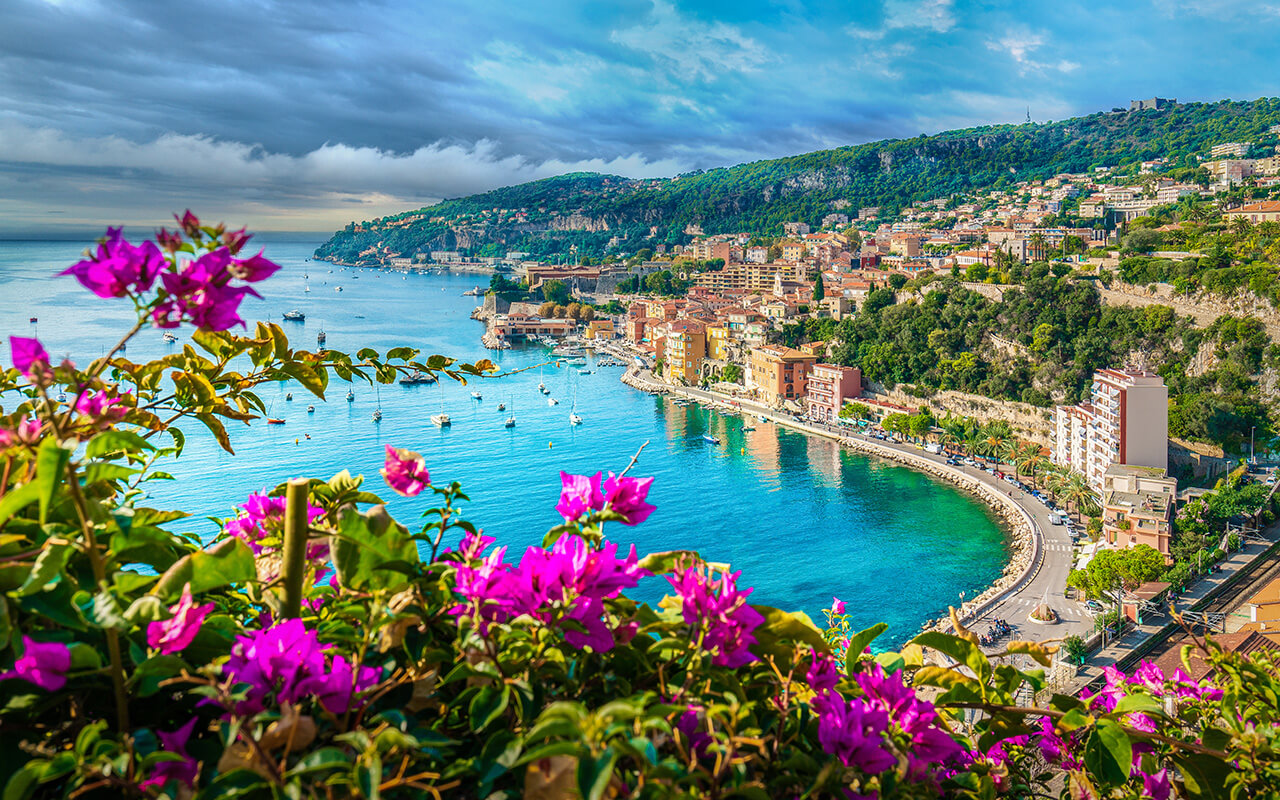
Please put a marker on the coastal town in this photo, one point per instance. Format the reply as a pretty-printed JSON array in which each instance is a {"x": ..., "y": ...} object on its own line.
[{"x": 729, "y": 320}]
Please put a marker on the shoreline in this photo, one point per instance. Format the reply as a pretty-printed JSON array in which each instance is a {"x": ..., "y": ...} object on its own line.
[{"x": 1025, "y": 551}]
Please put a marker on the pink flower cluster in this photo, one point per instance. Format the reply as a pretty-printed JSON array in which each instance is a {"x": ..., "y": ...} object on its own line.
[
  {"x": 288, "y": 662},
  {"x": 405, "y": 472},
  {"x": 104, "y": 409},
  {"x": 263, "y": 518},
  {"x": 859, "y": 731},
  {"x": 1151, "y": 678},
  {"x": 174, "y": 634},
  {"x": 580, "y": 494},
  {"x": 118, "y": 268},
  {"x": 199, "y": 290},
  {"x": 569, "y": 582},
  {"x": 43, "y": 663},
  {"x": 29, "y": 356},
  {"x": 27, "y": 432},
  {"x": 717, "y": 609},
  {"x": 184, "y": 771}
]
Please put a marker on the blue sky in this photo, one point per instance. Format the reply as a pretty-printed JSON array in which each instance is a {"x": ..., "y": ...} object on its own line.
[{"x": 304, "y": 115}]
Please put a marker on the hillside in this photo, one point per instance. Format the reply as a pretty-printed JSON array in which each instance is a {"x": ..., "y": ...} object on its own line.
[{"x": 590, "y": 210}]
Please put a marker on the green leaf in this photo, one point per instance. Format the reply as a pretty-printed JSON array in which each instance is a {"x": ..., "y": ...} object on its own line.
[
  {"x": 367, "y": 544},
  {"x": 961, "y": 650},
  {"x": 781, "y": 629},
  {"x": 1203, "y": 776},
  {"x": 51, "y": 469},
  {"x": 105, "y": 611},
  {"x": 115, "y": 441},
  {"x": 6, "y": 628},
  {"x": 47, "y": 569},
  {"x": 313, "y": 380},
  {"x": 594, "y": 775},
  {"x": 103, "y": 471},
  {"x": 18, "y": 499},
  {"x": 859, "y": 641},
  {"x": 147, "y": 608},
  {"x": 22, "y": 784},
  {"x": 665, "y": 562},
  {"x": 326, "y": 758},
  {"x": 1138, "y": 702},
  {"x": 230, "y": 561},
  {"x": 488, "y": 705},
  {"x": 1108, "y": 753}
]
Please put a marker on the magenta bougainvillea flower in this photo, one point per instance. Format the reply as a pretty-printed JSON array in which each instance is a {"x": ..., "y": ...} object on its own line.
[
  {"x": 201, "y": 292},
  {"x": 174, "y": 634},
  {"x": 626, "y": 496},
  {"x": 102, "y": 407},
  {"x": 29, "y": 355},
  {"x": 405, "y": 472},
  {"x": 568, "y": 582},
  {"x": 118, "y": 268},
  {"x": 43, "y": 663},
  {"x": 184, "y": 771},
  {"x": 854, "y": 732},
  {"x": 287, "y": 662},
  {"x": 578, "y": 495},
  {"x": 917, "y": 718},
  {"x": 262, "y": 518},
  {"x": 719, "y": 609},
  {"x": 837, "y": 605},
  {"x": 27, "y": 432},
  {"x": 824, "y": 672}
]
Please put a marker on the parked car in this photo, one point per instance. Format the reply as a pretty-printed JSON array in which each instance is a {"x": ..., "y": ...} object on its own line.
[{"x": 1094, "y": 606}]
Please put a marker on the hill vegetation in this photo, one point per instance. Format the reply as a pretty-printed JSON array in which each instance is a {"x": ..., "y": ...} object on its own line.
[{"x": 597, "y": 213}]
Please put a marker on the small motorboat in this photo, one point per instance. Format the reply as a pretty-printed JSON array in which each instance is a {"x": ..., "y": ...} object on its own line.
[
  {"x": 351, "y": 395},
  {"x": 311, "y": 409},
  {"x": 585, "y": 371},
  {"x": 288, "y": 398},
  {"x": 477, "y": 396},
  {"x": 337, "y": 288},
  {"x": 502, "y": 406},
  {"x": 295, "y": 316},
  {"x": 416, "y": 378},
  {"x": 275, "y": 421},
  {"x": 510, "y": 423},
  {"x": 34, "y": 320},
  {"x": 440, "y": 420},
  {"x": 377, "y": 415},
  {"x": 542, "y": 387},
  {"x": 709, "y": 438},
  {"x": 748, "y": 428},
  {"x": 320, "y": 337},
  {"x": 169, "y": 337},
  {"x": 574, "y": 419},
  {"x": 763, "y": 418},
  {"x": 551, "y": 401},
  {"x": 62, "y": 397}
]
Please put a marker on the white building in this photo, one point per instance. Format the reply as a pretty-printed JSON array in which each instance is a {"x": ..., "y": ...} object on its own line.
[
  {"x": 1126, "y": 421},
  {"x": 1230, "y": 150}
]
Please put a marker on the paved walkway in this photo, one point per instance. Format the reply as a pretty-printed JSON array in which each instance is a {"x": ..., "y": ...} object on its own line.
[{"x": 1050, "y": 572}]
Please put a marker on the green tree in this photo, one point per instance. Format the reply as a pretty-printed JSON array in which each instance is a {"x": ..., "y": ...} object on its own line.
[
  {"x": 819, "y": 291},
  {"x": 556, "y": 291}
]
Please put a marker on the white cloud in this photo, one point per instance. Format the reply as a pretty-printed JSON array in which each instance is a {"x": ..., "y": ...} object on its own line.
[
  {"x": 933, "y": 14},
  {"x": 335, "y": 181},
  {"x": 1020, "y": 43},
  {"x": 546, "y": 83},
  {"x": 691, "y": 48}
]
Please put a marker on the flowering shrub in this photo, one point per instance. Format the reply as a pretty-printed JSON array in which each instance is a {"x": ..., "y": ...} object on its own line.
[{"x": 318, "y": 648}]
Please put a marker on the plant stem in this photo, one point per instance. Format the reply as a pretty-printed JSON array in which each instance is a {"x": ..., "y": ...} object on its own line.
[{"x": 294, "y": 562}]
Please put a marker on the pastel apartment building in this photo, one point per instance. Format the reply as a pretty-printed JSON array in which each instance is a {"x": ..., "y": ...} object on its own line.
[
  {"x": 1126, "y": 421},
  {"x": 779, "y": 374},
  {"x": 1138, "y": 507},
  {"x": 686, "y": 348},
  {"x": 828, "y": 386}
]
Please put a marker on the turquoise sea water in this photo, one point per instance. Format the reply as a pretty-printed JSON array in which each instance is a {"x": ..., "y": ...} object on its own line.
[{"x": 802, "y": 519}]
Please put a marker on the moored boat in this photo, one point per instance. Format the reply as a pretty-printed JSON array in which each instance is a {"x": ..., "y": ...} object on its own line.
[
  {"x": 709, "y": 438},
  {"x": 574, "y": 419},
  {"x": 295, "y": 316},
  {"x": 351, "y": 395},
  {"x": 275, "y": 421},
  {"x": 440, "y": 420},
  {"x": 477, "y": 396}
]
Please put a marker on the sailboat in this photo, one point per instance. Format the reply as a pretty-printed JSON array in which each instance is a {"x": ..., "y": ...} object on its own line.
[
  {"x": 320, "y": 337},
  {"x": 574, "y": 419},
  {"x": 442, "y": 419},
  {"x": 273, "y": 420},
  {"x": 377, "y": 412},
  {"x": 511, "y": 420},
  {"x": 542, "y": 387},
  {"x": 351, "y": 395}
]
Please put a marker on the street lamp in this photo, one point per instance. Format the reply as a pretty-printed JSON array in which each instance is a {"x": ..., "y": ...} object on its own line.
[{"x": 1252, "y": 459}]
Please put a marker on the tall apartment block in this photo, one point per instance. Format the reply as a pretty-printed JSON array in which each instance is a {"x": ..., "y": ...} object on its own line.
[{"x": 1126, "y": 421}]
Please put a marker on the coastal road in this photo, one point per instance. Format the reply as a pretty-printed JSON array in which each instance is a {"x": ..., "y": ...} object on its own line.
[{"x": 1014, "y": 607}]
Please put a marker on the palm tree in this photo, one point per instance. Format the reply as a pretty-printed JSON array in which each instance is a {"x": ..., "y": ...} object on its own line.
[
  {"x": 1030, "y": 459},
  {"x": 993, "y": 445},
  {"x": 1009, "y": 453},
  {"x": 1077, "y": 492}
]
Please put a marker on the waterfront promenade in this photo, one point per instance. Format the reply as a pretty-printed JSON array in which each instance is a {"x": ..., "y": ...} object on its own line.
[{"x": 1050, "y": 559}]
